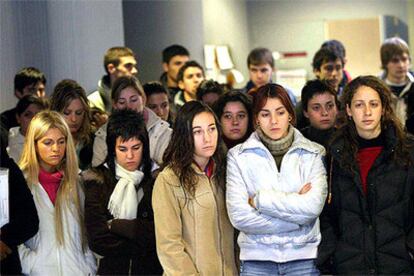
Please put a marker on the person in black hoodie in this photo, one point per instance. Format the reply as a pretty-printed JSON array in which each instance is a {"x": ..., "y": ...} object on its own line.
[
  {"x": 23, "y": 219},
  {"x": 369, "y": 228}
]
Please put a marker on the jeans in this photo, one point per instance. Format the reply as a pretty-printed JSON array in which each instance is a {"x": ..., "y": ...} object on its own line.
[{"x": 298, "y": 267}]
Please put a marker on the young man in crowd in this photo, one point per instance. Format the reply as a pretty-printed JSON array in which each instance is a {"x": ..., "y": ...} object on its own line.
[
  {"x": 118, "y": 62},
  {"x": 261, "y": 66},
  {"x": 328, "y": 65},
  {"x": 209, "y": 92},
  {"x": 189, "y": 77},
  {"x": 396, "y": 62},
  {"x": 28, "y": 81},
  {"x": 339, "y": 47},
  {"x": 173, "y": 58},
  {"x": 320, "y": 108},
  {"x": 157, "y": 100}
]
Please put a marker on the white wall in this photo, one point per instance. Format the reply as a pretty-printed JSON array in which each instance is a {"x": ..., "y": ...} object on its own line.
[
  {"x": 225, "y": 23},
  {"x": 298, "y": 25},
  {"x": 64, "y": 39},
  {"x": 150, "y": 26}
]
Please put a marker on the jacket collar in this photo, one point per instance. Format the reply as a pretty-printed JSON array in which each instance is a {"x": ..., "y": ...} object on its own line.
[
  {"x": 299, "y": 142},
  {"x": 389, "y": 136}
]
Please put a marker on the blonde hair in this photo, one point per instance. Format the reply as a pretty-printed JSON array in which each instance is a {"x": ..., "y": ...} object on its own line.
[{"x": 68, "y": 190}]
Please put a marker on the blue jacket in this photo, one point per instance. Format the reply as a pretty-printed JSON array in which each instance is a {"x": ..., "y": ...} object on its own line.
[{"x": 285, "y": 225}]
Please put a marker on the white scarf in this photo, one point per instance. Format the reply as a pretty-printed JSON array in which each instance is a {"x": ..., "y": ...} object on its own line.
[{"x": 124, "y": 199}]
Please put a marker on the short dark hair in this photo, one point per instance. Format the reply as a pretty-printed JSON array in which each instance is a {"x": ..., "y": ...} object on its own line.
[
  {"x": 316, "y": 87},
  {"x": 235, "y": 96},
  {"x": 324, "y": 55},
  {"x": 272, "y": 90},
  {"x": 172, "y": 51},
  {"x": 335, "y": 45},
  {"x": 208, "y": 86},
  {"x": 27, "y": 100},
  {"x": 188, "y": 64},
  {"x": 27, "y": 76},
  {"x": 260, "y": 56},
  {"x": 391, "y": 47},
  {"x": 127, "y": 124},
  {"x": 123, "y": 82},
  {"x": 113, "y": 55},
  {"x": 154, "y": 87}
]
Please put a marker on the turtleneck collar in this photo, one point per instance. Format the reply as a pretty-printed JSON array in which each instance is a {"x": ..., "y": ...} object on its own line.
[
  {"x": 375, "y": 142},
  {"x": 50, "y": 183},
  {"x": 277, "y": 148}
]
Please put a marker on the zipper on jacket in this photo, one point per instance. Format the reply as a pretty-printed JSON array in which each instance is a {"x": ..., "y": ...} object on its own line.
[{"x": 130, "y": 267}]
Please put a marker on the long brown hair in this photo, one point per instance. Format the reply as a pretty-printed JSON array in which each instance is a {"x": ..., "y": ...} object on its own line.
[
  {"x": 63, "y": 94},
  {"x": 348, "y": 132},
  {"x": 179, "y": 154}
]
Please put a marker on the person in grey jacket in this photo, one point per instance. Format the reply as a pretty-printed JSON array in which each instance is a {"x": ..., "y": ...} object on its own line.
[
  {"x": 276, "y": 189},
  {"x": 126, "y": 94}
]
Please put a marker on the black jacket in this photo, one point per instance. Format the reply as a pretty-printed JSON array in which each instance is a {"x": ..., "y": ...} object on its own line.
[
  {"x": 129, "y": 246},
  {"x": 23, "y": 223},
  {"x": 372, "y": 234}
]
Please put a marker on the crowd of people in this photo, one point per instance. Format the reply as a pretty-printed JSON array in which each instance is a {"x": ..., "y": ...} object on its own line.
[{"x": 186, "y": 176}]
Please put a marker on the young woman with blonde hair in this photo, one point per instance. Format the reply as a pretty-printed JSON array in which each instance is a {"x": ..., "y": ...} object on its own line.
[{"x": 50, "y": 166}]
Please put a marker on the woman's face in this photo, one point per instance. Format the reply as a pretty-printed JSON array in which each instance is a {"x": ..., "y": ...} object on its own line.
[
  {"x": 274, "y": 119},
  {"x": 51, "y": 149},
  {"x": 128, "y": 153},
  {"x": 74, "y": 115},
  {"x": 205, "y": 136},
  {"x": 26, "y": 117},
  {"x": 234, "y": 120},
  {"x": 129, "y": 98},
  {"x": 366, "y": 112}
]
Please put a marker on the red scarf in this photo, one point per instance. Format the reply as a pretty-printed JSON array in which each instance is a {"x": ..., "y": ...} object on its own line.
[{"x": 50, "y": 182}]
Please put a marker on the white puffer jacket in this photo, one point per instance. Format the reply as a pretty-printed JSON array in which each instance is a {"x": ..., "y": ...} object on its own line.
[
  {"x": 285, "y": 225},
  {"x": 41, "y": 255}
]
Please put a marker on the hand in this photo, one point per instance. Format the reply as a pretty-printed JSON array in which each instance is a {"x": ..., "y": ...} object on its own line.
[
  {"x": 99, "y": 119},
  {"x": 251, "y": 201},
  {"x": 306, "y": 188},
  {"x": 4, "y": 251}
]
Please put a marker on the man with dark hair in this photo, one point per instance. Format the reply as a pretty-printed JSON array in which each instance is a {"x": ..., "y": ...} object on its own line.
[
  {"x": 328, "y": 65},
  {"x": 339, "y": 48},
  {"x": 189, "y": 77},
  {"x": 28, "y": 81},
  {"x": 320, "y": 107},
  {"x": 209, "y": 92},
  {"x": 173, "y": 57},
  {"x": 396, "y": 62},
  {"x": 261, "y": 66},
  {"x": 118, "y": 62}
]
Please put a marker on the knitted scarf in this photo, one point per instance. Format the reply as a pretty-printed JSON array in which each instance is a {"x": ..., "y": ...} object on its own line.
[
  {"x": 125, "y": 198},
  {"x": 277, "y": 148}
]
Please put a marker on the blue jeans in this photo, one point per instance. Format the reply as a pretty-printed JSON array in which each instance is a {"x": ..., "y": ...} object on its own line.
[{"x": 299, "y": 267}]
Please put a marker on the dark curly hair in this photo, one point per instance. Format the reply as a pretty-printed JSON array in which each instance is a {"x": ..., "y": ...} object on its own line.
[
  {"x": 348, "y": 132},
  {"x": 179, "y": 154}
]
